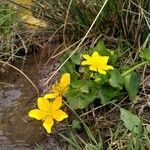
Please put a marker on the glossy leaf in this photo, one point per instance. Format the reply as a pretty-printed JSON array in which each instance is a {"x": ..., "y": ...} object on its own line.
[
  {"x": 106, "y": 93},
  {"x": 116, "y": 79},
  {"x": 132, "y": 83}
]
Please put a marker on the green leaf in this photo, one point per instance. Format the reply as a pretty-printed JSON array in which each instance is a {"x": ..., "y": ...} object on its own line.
[
  {"x": 145, "y": 54},
  {"x": 81, "y": 94},
  {"x": 75, "y": 99},
  {"x": 81, "y": 85},
  {"x": 69, "y": 66},
  {"x": 76, "y": 58},
  {"x": 90, "y": 97},
  {"x": 116, "y": 79},
  {"x": 112, "y": 58},
  {"x": 85, "y": 88},
  {"x": 78, "y": 100},
  {"x": 106, "y": 93},
  {"x": 101, "y": 79},
  {"x": 132, "y": 83},
  {"x": 101, "y": 49},
  {"x": 130, "y": 120},
  {"x": 76, "y": 124}
]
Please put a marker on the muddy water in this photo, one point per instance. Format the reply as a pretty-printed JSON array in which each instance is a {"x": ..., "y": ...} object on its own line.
[{"x": 17, "y": 97}]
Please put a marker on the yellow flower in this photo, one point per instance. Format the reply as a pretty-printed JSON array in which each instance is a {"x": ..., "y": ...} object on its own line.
[
  {"x": 48, "y": 111},
  {"x": 97, "y": 62},
  {"x": 60, "y": 88}
]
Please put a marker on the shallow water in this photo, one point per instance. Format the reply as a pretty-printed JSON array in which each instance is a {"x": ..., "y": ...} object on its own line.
[
  {"x": 17, "y": 97},
  {"x": 8, "y": 97}
]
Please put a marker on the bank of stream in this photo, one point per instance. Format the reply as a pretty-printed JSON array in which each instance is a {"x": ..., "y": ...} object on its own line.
[{"x": 17, "y": 97}]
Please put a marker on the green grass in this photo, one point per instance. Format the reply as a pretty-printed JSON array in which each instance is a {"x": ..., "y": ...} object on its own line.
[
  {"x": 7, "y": 18},
  {"x": 117, "y": 137},
  {"x": 7, "y": 29}
]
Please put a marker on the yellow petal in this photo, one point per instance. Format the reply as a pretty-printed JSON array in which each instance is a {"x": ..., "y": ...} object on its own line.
[
  {"x": 101, "y": 71},
  {"x": 37, "y": 114},
  {"x": 86, "y": 62},
  {"x": 57, "y": 103},
  {"x": 65, "y": 80},
  {"x": 48, "y": 123},
  {"x": 108, "y": 67},
  {"x": 95, "y": 54},
  {"x": 44, "y": 104},
  {"x": 104, "y": 59},
  {"x": 86, "y": 56},
  {"x": 50, "y": 96},
  {"x": 59, "y": 115},
  {"x": 93, "y": 68}
]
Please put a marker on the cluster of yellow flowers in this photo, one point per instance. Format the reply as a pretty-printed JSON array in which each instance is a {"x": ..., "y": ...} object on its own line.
[{"x": 49, "y": 110}]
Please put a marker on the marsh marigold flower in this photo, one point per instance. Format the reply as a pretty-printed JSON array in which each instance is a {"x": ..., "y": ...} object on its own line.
[
  {"x": 97, "y": 62},
  {"x": 48, "y": 111},
  {"x": 60, "y": 88}
]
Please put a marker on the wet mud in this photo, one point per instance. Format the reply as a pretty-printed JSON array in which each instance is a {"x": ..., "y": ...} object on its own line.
[{"x": 17, "y": 97}]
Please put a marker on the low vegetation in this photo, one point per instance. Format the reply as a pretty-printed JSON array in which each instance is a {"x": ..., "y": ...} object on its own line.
[{"x": 103, "y": 68}]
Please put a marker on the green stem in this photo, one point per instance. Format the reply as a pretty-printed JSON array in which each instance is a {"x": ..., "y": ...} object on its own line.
[{"x": 134, "y": 68}]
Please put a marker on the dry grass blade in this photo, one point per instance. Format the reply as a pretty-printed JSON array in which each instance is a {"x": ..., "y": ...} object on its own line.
[{"x": 47, "y": 82}]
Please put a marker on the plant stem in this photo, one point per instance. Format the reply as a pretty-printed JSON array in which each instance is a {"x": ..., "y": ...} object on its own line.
[{"x": 134, "y": 68}]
